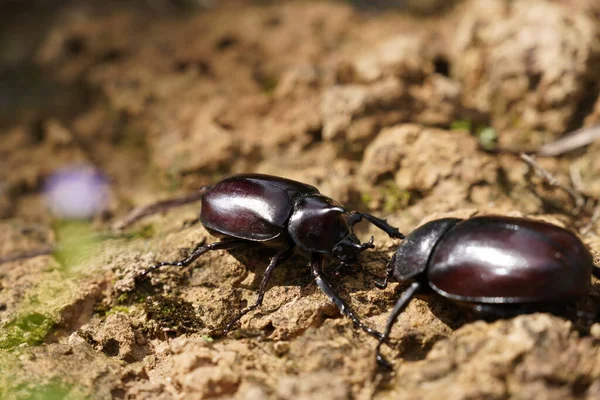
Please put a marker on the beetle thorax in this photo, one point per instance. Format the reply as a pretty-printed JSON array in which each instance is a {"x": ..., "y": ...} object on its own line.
[
  {"x": 318, "y": 223},
  {"x": 412, "y": 256}
]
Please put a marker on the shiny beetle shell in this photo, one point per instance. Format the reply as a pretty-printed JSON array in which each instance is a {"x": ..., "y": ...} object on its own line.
[
  {"x": 509, "y": 260},
  {"x": 251, "y": 206}
]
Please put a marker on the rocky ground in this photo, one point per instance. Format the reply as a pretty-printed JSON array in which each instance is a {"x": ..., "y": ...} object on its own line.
[{"x": 382, "y": 109}]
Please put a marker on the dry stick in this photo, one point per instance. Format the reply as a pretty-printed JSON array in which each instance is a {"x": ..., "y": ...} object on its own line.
[
  {"x": 575, "y": 176},
  {"x": 44, "y": 251},
  {"x": 574, "y": 140},
  {"x": 135, "y": 215},
  {"x": 578, "y": 198},
  {"x": 141, "y": 212},
  {"x": 569, "y": 142},
  {"x": 588, "y": 227}
]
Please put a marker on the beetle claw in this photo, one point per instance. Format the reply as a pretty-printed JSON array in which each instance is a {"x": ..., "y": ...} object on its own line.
[
  {"x": 396, "y": 234},
  {"x": 380, "y": 283},
  {"x": 369, "y": 244},
  {"x": 218, "y": 333},
  {"x": 382, "y": 362}
]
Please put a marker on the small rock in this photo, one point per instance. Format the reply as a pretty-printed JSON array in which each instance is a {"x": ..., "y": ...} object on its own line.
[{"x": 309, "y": 386}]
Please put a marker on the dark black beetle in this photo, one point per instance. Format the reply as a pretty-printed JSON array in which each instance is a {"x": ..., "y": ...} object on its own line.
[
  {"x": 282, "y": 214},
  {"x": 497, "y": 266}
]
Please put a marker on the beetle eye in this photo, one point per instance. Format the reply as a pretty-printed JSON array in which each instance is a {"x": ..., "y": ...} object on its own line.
[
  {"x": 337, "y": 251},
  {"x": 343, "y": 252}
]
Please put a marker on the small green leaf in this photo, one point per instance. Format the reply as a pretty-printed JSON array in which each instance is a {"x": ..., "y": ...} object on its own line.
[
  {"x": 461, "y": 125},
  {"x": 488, "y": 138}
]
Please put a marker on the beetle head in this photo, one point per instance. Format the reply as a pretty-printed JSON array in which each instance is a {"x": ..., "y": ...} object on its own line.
[{"x": 347, "y": 249}]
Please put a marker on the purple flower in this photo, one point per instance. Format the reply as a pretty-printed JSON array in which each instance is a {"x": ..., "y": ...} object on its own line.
[{"x": 79, "y": 192}]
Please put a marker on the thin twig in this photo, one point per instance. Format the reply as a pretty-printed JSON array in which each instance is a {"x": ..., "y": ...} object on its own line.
[
  {"x": 569, "y": 142},
  {"x": 595, "y": 216},
  {"x": 575, "y": 176},
  {"x": 44, "y": 251},
  {"x": 141, "y": 212},
  {"x": 580, "y": 199},
  {"x": 577, "y": 197},
  {"x": 574, "y": 140},
  {"x": 135, "y": 215}
]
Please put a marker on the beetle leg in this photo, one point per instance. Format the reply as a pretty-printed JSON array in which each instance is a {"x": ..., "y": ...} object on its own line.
[
  {"x": 343, "y": 265},
  {"x": 382, "y": 224},
  {"x": 316, "y": 265},
  {"x": 388, "y": 275},
  {"x": 368, "y": 245},
  {"x": 198, "y": 251},
  {"x": 400, "y": 304},
  {"x": 277, "y": 260},
  {"x": 355, "y": 218}
]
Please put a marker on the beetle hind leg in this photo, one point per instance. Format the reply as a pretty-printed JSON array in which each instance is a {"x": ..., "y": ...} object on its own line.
[
  {"x": 277, "y": 260},
  {"x": 197, "y": 252}
]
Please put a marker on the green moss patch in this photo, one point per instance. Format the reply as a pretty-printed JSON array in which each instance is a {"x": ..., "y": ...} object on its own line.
[
  {"x": 31, "y": 328},
  {"x": 172, "y": 314}
]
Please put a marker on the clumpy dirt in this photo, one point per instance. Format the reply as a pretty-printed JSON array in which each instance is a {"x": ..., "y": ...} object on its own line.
[{"x": 383, "y": 109}]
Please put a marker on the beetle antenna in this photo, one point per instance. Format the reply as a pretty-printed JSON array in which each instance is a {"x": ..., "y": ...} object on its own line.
[
  {"x": 400, "y": 304},
  {"x": 161, "y": 206}
]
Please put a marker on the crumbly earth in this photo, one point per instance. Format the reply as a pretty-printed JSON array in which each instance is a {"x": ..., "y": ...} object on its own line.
[{"x": 383, "y": 111}]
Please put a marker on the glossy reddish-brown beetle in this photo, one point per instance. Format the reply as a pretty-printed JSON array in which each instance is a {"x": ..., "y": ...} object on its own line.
[
  {"x": 282, "y": 214},
  {"x": 495, "y": 265}
]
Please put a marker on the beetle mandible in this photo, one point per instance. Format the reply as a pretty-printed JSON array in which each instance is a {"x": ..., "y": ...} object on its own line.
[
  {"x": 248, "y": 209},
  {"x": 498, "y": 266}
]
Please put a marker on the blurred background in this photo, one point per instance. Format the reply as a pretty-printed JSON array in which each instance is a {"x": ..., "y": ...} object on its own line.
[
  {"x": 172, "y": 94},
  {"x": 386, "y": 106}
]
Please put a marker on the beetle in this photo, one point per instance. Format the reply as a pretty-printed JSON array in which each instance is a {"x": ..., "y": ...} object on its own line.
[
  {"x": 285, "y": 215},
  {"x": 497, "y": 266}
]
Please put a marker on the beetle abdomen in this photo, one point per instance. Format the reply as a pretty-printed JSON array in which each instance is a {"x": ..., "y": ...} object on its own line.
[
  {"x": 494, "y": 259},
  {"x": 249, "y": 206}
]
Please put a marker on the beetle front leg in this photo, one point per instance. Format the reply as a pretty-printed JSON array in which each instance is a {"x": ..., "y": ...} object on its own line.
[
  {"x": 316, "y": 265},
  {"x": 277, "y": 260},
  {"x": 388, "y": 275},
  {"x": 393, "y": 232},
  {"x": 400, "y": 304}
]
